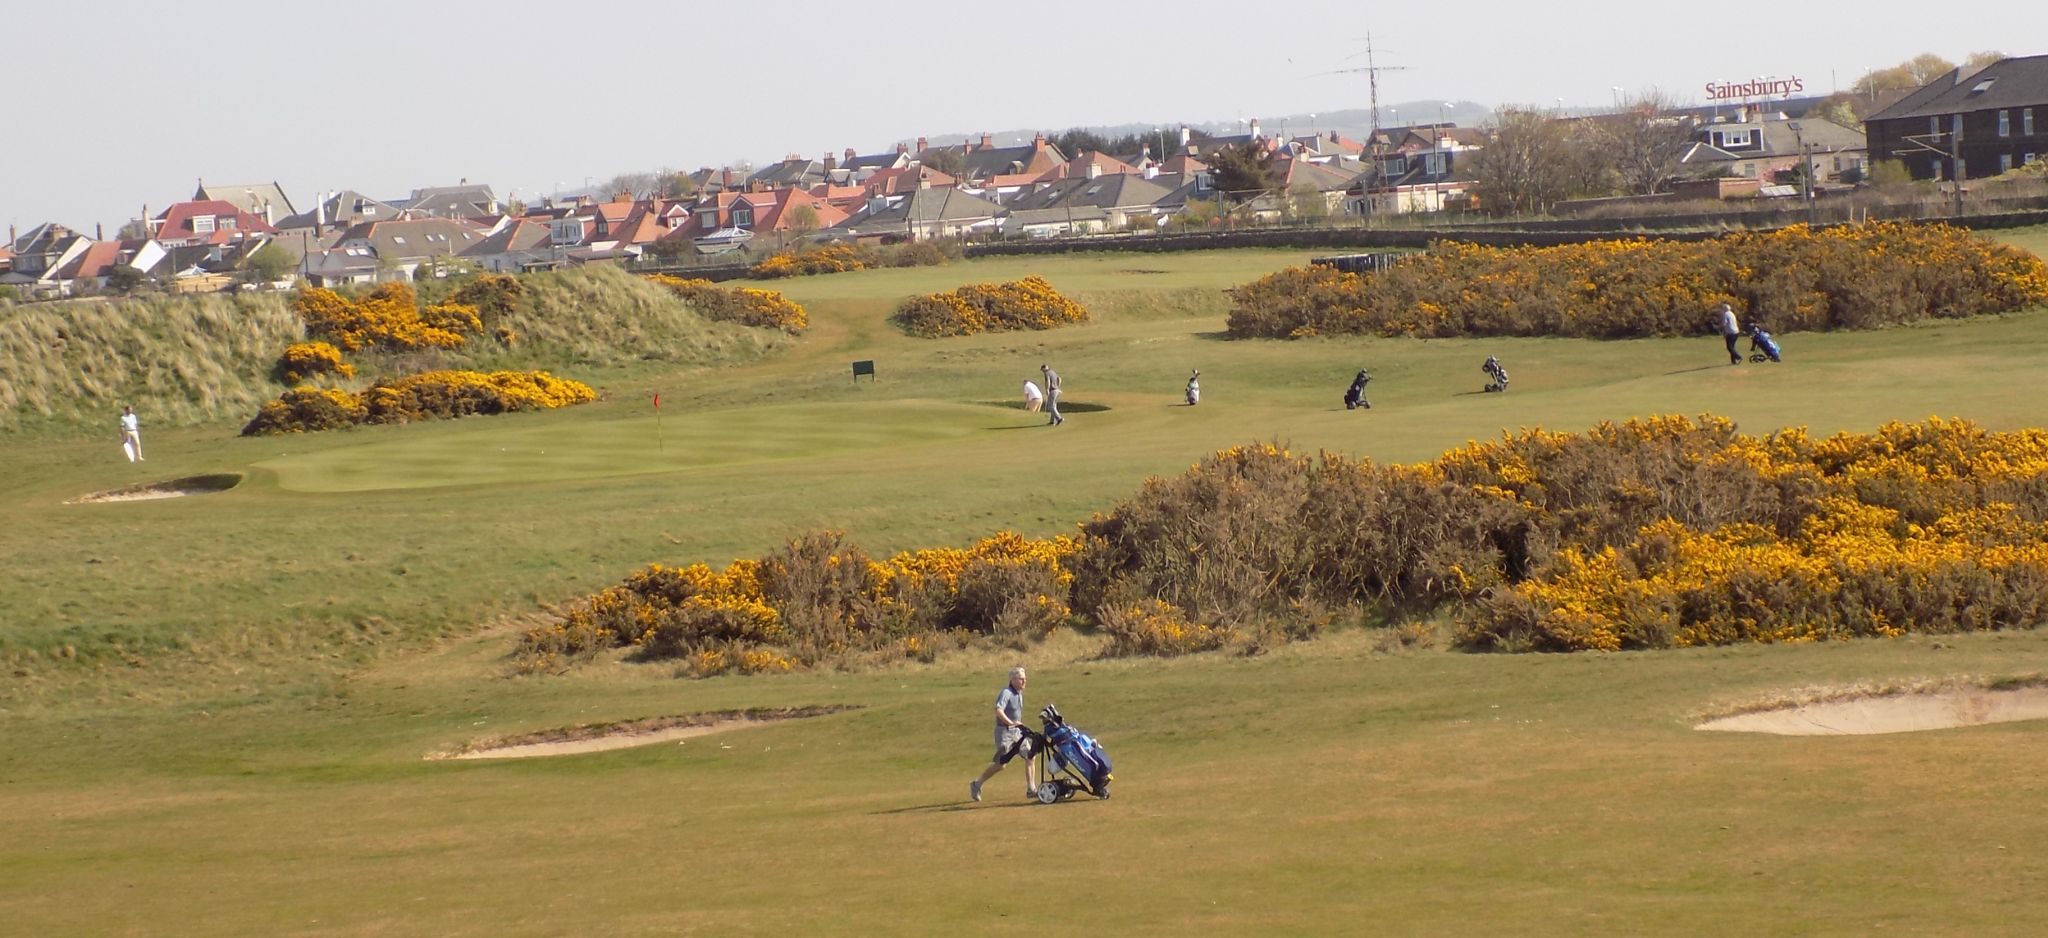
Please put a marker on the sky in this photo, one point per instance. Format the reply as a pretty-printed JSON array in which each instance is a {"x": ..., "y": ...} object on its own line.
[{"x": 134, "y": 105}]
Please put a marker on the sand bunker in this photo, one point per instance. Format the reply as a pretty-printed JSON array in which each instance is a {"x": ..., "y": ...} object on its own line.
[
  {"x": 598, "y": 737},
  {"x": 1894, "y": 713},
  {"x": 172, "y": 488}
]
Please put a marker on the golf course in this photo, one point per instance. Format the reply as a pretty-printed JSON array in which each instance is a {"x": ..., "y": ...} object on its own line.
[{"x": 236, "y": 711}]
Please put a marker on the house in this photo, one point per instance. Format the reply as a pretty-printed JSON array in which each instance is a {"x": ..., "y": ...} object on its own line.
[
  {"x": 339, "y": 267},
  {"x": 1753, "y": 146},
  {"x": 265, "y": 200},
  {"x": 1085, "y": 204},
  {"x": 890, "y": 183},
  {"x": 863, "y": 166},
  {"x": 947, "y": 212},
  {"x": 457, "y": 201},
  {"x": 91, "y": 266},
  {"x": 794, "y": 171},
  {"x": 1990, "y": 120},
  {"x": 521, "y": 245},
  {"x": 1090, "y": 165},
  {"x": 340, "y": 210},
  {"x": 980, "y": 161},
  {"x": 406, "y": 245},
  {"x": 212, "y": 221},
  {"x": 40, "y": 254},
  {"x": 727, "y": 220}
]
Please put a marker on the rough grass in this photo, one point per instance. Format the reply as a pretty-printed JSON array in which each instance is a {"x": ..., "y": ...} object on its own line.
[{"x": 204, "y": 359}]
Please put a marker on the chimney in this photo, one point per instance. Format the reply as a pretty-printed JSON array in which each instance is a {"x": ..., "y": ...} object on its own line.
[
  {"x": 1183, "y": 138},
  {"x": 986, "y": 142},
  {"x": 1094, "y": 169},
  {"x": 99, "y": 231},
  {"x": 725, "y": 178},
  {"x": 850, "y": 156},
  {"x": 1255, "y": 129},
  {"x": 831, "y": 162},
  {"x": 921, "y": 145},
  {"x": 903, "y": 148},
  {"x": 269, "y": 217},
  {"x": 756, "y": 185}
]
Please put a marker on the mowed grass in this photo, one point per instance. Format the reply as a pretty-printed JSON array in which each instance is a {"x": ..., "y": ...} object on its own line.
[{"x": 239, "y": 748}]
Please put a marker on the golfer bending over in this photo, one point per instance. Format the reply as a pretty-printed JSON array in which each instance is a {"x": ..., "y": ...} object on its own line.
[{"x": 1009, "y": 737}]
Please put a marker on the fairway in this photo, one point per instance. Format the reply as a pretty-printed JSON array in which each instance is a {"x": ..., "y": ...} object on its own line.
[{"x": 221, "y": 708}]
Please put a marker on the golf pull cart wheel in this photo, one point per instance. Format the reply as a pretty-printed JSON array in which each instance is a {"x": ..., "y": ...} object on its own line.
[{"x": 1048, "y": 792}]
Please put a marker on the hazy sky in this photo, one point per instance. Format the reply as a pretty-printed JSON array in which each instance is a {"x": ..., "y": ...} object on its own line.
[{"x": 122, "y": 103}]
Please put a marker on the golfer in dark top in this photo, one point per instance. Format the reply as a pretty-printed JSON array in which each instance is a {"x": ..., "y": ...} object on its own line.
[{"x": 1052, "y": 395}]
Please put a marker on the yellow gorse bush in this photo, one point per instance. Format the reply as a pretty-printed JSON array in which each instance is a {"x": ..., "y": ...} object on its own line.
[
  {"x": 304, "y": 361},
  {"x": 433, "y": 395},
  {"x": 830, "y": 259},
  {"x": 1797, "y": 278},
  {"x": 748, "y": 306},
  {"x": 819, "y": 600},
  {"x": 388, "y": 317},
  {"x": 1030, "y": 303}
]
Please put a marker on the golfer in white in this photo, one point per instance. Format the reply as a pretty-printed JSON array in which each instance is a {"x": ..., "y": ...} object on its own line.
[{"x": 131, "y": 435}]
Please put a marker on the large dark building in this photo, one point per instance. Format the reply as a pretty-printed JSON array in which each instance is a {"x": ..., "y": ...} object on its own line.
[{"x": 1994, "y": 118}]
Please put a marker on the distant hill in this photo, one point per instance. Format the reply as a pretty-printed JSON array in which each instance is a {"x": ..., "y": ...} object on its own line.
[{"x": 1352, "y": 122}]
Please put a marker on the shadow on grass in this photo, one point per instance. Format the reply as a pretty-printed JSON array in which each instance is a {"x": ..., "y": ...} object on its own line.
[
  {"x": 962, "y": 805},
  {"x": 1683, "y": 371}
]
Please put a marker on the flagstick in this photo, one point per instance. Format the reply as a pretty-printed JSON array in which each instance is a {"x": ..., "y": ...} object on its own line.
[{"x": 659, "y": 446}]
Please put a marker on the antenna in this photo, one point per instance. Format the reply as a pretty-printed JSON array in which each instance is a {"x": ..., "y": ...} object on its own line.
[{"x": 1372, "y": 72}]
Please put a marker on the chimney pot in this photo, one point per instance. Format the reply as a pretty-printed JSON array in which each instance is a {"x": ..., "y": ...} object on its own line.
[
  {"x": 903, "y": 148},
  {"x": 850, "y": 154},
  {"x": 831, "y": 162},
  {"x": 921, "y": 145},
  {"x": 987, "y": 142}
]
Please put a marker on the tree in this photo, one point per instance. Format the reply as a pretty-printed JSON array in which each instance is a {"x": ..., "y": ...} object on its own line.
[
  {"x": 1242, "y": 170},
  {"x": 123, "y": 279},
  {"x": 950, "y": 162},
  {"x": 1644, "y": 144},
  {"x": 1526, "y": 166},
  {"x": 1840, "y": 108},
  {"x": 803, "y": 219},
  {"x": 1076, "y": 141},
  {"x": 1305, "y": 202},
  {"x": 1915, "y": 72},
  {"x": 1890, "y": 176},
  {"x": 269, "y": 263}
]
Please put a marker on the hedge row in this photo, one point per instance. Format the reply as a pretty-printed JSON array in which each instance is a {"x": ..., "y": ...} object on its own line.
[
  {"x": 1653, "y": 533},
  {"x": 1798, "y": 278},
  {"x": 765, "y": 309},
  {"x": 433, "y": 395}
]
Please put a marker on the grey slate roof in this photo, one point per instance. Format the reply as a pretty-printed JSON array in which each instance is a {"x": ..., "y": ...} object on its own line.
[
  {"x": 924, "y": 207},
  {"x": 1118, "y": 190},
  {"x": 2020, "y": 82},
  {"x": 250, "y": 198},
  {"x": 465, "y": 201}
]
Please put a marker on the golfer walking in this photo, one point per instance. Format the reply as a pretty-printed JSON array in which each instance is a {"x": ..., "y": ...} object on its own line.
[
  {"x": 1052, "y": 395},
  {"x": 131, "y": 435},
  {"x": 1725, "y": 319},
  {"x": 1010, "y": 741}
]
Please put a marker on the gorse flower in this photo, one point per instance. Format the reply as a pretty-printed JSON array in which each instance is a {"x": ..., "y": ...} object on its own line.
[
  {"x": 1030, "y": 303},
  {"x": 1797, "y": 278}
]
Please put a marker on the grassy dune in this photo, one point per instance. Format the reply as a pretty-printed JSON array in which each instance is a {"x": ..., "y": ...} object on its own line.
[{"x": 217, "y": 707}]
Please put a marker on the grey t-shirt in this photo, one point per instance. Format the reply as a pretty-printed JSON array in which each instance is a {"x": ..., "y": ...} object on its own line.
[{"x": 1011, "y": 702}]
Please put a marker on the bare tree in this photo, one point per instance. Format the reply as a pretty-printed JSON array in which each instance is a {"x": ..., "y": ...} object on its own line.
[
  {"x": 1645, "y": 142},
  {"x": 1527, "y": 165}
]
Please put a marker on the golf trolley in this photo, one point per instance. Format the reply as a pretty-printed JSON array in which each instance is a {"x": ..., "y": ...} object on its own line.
[
  {"x": 1066, "y": 760},
  {"x": 1762, "y": 348},
  {"x": 1498, "y": 376}
]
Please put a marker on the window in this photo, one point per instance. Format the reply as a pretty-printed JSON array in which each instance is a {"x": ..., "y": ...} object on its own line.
[
  {"x": 2005, "y": 123},
  {"x": 743, "y": 216},
  {"x": 2027, "y": 160},
  {"x": 397, "y": 240},
  {"x": 1433, "y": 164},
  {"x": 1933, "y": 125},
  {"x": 202, "y": 224},
  {"x": 1398, "y": 166},
  {"x": 2027, "y": 122},
  {"x": 227, "y": 221}
]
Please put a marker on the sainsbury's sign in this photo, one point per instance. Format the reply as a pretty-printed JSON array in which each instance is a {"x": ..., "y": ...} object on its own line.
[{"x": 1754, "y": 88}]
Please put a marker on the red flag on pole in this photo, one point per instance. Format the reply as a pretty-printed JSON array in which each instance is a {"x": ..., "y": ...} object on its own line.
[{"x": 657, "y": 400}]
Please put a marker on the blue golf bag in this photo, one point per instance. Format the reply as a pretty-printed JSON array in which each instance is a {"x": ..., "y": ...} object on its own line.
[
  {"x": 1076, "y": 761},
  {"x": 1761, "y": 346}
]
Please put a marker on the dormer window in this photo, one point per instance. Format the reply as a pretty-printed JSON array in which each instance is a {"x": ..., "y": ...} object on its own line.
[
  {"x": 202, "y": 224},
  {"x": 743, "y": 216}
]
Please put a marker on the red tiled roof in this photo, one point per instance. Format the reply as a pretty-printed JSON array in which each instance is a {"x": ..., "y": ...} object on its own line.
[
  {"x": 176, "y": 221},
  {"x": 97, "y": 259}
]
